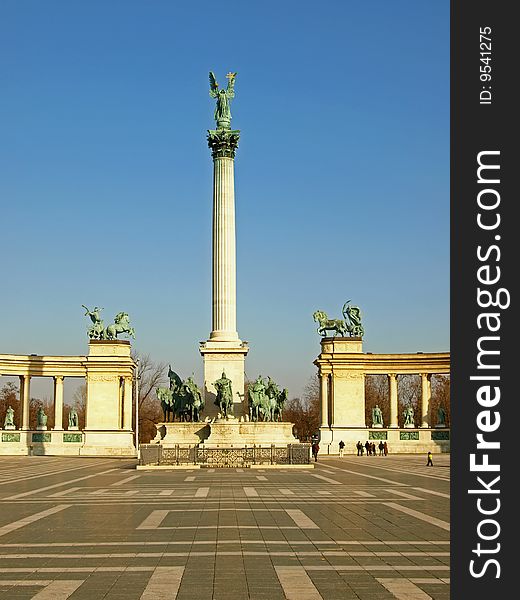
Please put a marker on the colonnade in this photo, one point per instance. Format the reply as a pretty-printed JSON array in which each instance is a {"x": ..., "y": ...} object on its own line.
[
  {"x": 326, "y": 389},
  {"x": 125, "y": 401},
  {"x": 343, "y": 367},
  {"x": 108, "y": 371}
]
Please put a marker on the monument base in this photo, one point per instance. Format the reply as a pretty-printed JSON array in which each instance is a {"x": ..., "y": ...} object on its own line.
[
  {"x": 108, "y": 443},
  {"x": 399, "y": 440},
  {"x": 229, "y": 433}
]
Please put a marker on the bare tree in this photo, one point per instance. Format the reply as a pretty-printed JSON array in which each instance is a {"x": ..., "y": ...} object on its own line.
[
  {"x": 151, "y": 375},
  {"x": 440, "y": 397},
  {"x": 304, "y": 412}
]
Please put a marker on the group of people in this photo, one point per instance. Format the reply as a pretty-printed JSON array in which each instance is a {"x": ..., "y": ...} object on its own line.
[{"x": 371, "y": 448}]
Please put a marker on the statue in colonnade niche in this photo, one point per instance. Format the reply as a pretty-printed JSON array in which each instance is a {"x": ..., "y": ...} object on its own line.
[
  {"x": 9, "y": 417},
  {"x": 377, "y": 416},
  {"x": 408, "y": 416},
  {"x": 41, "y": 417},
  {"x": 73, "y": 418},
  {"x": 441, "y": 417}
]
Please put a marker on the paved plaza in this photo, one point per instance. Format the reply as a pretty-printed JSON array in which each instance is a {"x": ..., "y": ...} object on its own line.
[{"x": 367, "y": 528}]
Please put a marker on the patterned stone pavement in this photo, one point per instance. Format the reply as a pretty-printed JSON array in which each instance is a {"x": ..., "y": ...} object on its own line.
[{"x": 362, "y": 528}]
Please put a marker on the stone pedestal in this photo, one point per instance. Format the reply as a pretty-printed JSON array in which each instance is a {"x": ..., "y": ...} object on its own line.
[
  {"x": 108, "y": 429},
  {"x": 409, "y": 426},
  {"x": 227, "y": 357},
  {"x": 346, "y": 390},
  {"x": 226, "y": 433}
]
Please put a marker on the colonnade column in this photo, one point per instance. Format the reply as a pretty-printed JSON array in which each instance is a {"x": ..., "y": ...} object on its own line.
[
  {"x": 392, "y": 382},
  {"x": 25, "y": 394},
  {"x": 127, "y": 403},
  {"x": 324, "y": 393},
  {"x": 426, "y": 394},
  {"x": 58, "y": 402}
]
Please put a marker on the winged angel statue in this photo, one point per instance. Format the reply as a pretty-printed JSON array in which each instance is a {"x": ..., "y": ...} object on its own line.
[{"x": 223, "y": 96}]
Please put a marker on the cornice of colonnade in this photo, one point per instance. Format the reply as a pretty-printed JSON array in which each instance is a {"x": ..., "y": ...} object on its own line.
[
  {"x": 62, "y": 366},
  {"x": 431, "y": 363}
]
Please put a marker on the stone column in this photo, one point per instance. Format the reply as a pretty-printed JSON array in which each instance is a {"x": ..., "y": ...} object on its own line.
[
  {"x": 426, "y": 394},
  {"x": 127, "y": 403},
  {"x": 223, "y": 144},
  {"x": 394, "y": 410},
  {"x": 324, "y": 393},
  {"x": 25, "y": 391},
  {"x": 58, "y": 402},
  {"x": 224, "y": 352}
]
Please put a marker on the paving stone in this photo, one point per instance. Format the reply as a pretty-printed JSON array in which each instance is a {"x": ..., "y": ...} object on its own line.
[{"x": 370, "y": 519}]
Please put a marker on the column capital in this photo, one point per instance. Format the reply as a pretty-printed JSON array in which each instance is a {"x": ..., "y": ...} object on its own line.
[
  {"x": 223, "y": 142},
  {"x": 59, "y": 377}
]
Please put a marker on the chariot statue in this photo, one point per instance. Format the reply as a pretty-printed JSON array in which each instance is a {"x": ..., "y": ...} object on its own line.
[
  {"x": 99, "y": 332},
  {"x": 350, "y": 324}
]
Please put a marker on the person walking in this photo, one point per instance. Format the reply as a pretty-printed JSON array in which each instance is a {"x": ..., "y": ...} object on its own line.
[
  {"x": 430, "y": 460},
  {"x": 341, "y": 446},
  {"x": 385, "y": 449},
  {"x": 368, "y": 448},
  {"x": 359, "y": 447},
  {"x": 315, "y": 450},
  {"x": 381, "y": 448},
  {"x": 373, "y": 448}
]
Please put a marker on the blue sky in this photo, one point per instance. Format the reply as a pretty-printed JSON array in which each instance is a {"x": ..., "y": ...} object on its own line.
[{"x": 342, "y": 173}]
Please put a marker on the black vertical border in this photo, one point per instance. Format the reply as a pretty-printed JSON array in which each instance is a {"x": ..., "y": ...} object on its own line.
[{"x": 479, "y": 127}]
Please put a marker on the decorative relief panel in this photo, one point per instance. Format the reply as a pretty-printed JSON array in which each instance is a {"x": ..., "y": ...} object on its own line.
[
  {"x": 10, "y": 437},
  {"x": 353, "y": 375},
  {"x": 440, "y": 435},
  {"x": 41, "y": 437},
  {"x": 378, "y": 435},
  {"x": 111, "y": 378},
  {"x": 72, "y": 437},
  {"x": 409, "y": 435}
]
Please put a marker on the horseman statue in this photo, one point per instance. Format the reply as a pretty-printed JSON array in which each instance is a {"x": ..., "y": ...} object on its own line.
[
  {"x": 183, "y": 399},
  {"x": 351, "y": 324},
  {"x": 99, "y": 332},
  {"x": 224, "y": 398},
  {"x": 266, "y": 401}
]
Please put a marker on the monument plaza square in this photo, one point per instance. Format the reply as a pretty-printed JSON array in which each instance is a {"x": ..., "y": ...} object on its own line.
[
  {"x": 357, "y": 527},
  {"x": 225, "y": 502}
]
